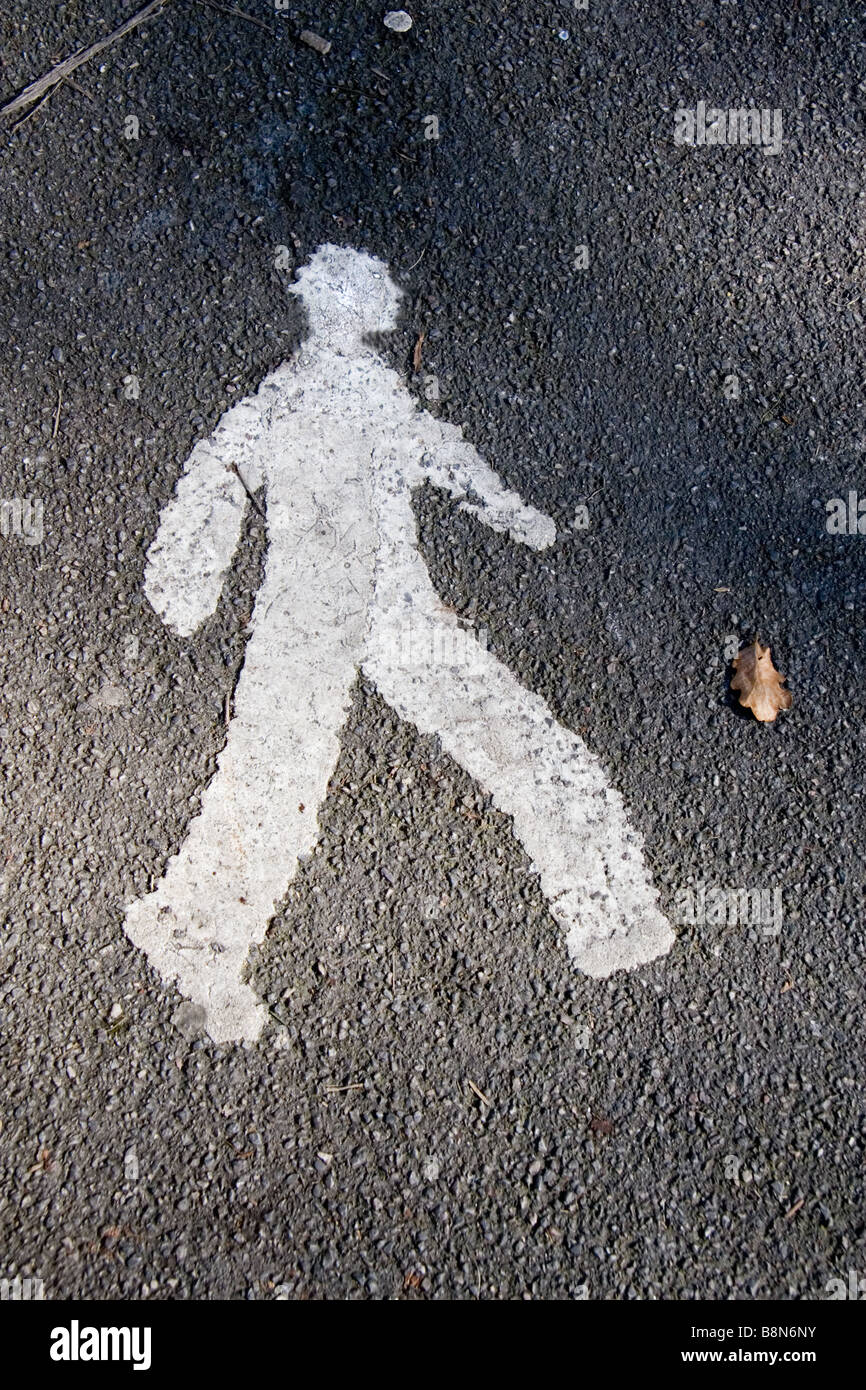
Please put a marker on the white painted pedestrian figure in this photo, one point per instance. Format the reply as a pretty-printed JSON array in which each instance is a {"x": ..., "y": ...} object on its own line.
[{"x": 339, "y": 445}]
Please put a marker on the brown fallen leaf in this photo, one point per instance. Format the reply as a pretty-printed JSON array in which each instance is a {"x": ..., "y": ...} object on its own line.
[
  {"x": 416, "y": 355},
  {"x": 759, "y": 684}
]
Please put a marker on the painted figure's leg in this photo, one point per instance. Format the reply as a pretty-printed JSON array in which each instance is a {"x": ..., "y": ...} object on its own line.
[
  {"x": 258, "y": 816},
  {"x": 571, "y": 821}
]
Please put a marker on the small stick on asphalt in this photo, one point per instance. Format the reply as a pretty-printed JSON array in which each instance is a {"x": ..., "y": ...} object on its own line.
[
  {"x": 237, "y": 473},
  {"x": 229, "y": 9},
  {"x": 418, "y": 262},
  {"x": 419, "y": 349},
  {"x": 80, "y": 90},
  {"x": 50, "y": 79},
  {"x": 480, "y": 1094},
  {"x": 57, "y": 413},
  {"x": 38, "y": 107}
]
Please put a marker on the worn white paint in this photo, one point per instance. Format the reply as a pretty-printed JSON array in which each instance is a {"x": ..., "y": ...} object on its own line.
[{"x": 339, "y": 445}]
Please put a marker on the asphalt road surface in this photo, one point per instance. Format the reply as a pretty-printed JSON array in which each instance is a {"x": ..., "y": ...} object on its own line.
[{"x": 441, "y": 1105}]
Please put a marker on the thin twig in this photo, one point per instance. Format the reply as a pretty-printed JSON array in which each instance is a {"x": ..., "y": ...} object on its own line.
[
  {"x": 57, "y": 413},
  {"x": 50, "y": 79},
  {"x": 419, "y": 349},
  {"x": 479, "y": 1094},
  {"x": 75, "y": 87},
  {"x": 253, "y": 499},
  {"x": 418, "y": 262},
  {"x": 36, "y": 108},
  {"x": 229, "y": 9}
]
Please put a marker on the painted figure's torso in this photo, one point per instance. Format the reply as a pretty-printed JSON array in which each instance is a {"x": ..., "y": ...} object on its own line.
[{"x": 345, "y": 446}]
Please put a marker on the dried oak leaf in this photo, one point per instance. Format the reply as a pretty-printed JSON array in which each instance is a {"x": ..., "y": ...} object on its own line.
[{"x": 759, "y": 684}]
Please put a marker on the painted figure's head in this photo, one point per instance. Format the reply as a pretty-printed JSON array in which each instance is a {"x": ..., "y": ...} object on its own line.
[{"x": 347, "y": 295}]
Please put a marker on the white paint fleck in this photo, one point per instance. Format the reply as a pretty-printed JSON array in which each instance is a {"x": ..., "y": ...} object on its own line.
[
  {"x": 398, "y": 20},
  {"x": 108, "y": 697},
  {"x": 340, "y": 445}
]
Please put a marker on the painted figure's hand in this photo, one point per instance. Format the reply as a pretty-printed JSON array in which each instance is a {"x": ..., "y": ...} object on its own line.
[
  {"x": 457, "y": 468},
  {"x": 200, "y": 527}
]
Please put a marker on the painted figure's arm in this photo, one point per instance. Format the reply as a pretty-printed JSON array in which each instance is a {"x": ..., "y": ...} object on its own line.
[
  {"x": 452, "y": 464},
  {"x": 200, "y": 527}
]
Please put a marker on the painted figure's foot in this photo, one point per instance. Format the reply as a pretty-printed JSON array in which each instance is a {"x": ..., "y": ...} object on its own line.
[
  {"x": 613, "y": 941},
  {"x": 206, "y": 971}
]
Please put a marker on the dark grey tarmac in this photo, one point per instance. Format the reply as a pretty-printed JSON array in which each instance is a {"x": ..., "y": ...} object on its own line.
[{"x": 441, "y": 1107}]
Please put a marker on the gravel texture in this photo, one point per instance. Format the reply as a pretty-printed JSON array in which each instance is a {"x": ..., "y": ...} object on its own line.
[{"x": 414, "y": 964}]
